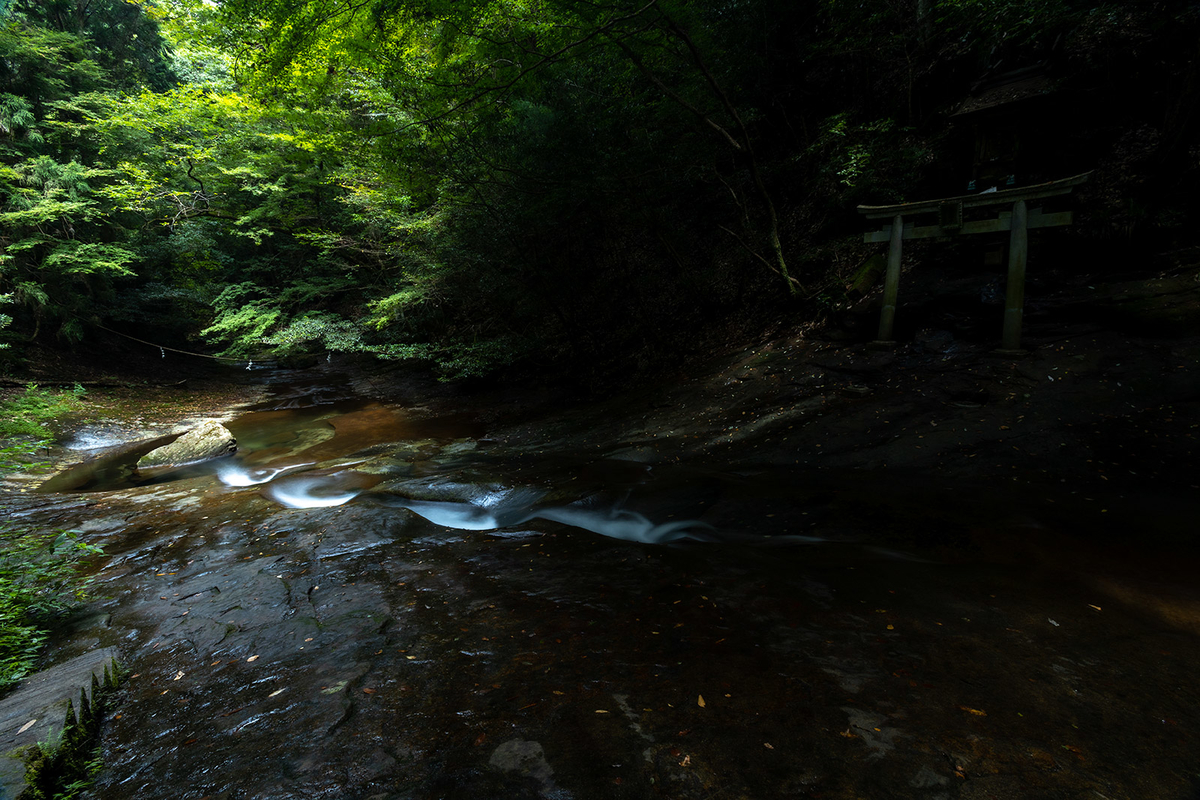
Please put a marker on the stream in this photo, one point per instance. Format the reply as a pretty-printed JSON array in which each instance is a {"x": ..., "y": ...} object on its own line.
[{"x": 366, "y": 602}]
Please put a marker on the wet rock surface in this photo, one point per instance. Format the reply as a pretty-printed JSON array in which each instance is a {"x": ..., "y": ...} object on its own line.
[
  {"x": 361, "y": 652},
  {"x": 919, "y": 588}
]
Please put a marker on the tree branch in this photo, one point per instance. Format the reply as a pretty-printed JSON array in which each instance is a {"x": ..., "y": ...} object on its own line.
[
  {"x": 760, "y": 184},
  {"x": 671, "y": 93}
]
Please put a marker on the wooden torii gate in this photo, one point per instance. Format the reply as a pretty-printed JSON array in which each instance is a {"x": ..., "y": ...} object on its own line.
[{"x": 950, "y": 221}]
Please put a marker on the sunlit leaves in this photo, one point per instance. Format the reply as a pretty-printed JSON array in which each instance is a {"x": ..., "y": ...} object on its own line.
[
  {"x": 194, "y": 151},
  {"x": 324, "y": 330},
  {"x": 244, "y": 316},
  {"x": 89, "y": 258},
  {"x": 17, "y": 119},
  {"x": 46, "y": 212}
]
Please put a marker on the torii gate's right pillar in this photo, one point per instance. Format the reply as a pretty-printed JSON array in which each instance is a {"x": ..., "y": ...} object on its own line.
[{"x": 1014, "y": 295}]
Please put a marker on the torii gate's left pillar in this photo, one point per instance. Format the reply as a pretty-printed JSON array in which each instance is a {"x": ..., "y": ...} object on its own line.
[{"x": 891, "y": 282}]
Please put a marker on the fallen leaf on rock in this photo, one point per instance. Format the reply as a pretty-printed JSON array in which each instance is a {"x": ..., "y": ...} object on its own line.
[
  {"x": 27, "y": 726},
  {"x": 768, "y": 745},
  {"x": 700, "y": 701},
  {"x": 178, "y": 675},
  {"x": 277, "y": 691},
  {"x": 974, "y": 711},
  {"x": 252, "y": 658},
  {"x": 369, "y": 691}
]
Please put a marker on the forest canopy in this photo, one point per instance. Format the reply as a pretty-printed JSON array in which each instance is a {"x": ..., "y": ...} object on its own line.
[{"x": 491, "y": 185}]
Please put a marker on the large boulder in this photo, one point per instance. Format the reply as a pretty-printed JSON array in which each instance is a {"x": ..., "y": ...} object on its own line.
[{"x": 207, "y": 441}]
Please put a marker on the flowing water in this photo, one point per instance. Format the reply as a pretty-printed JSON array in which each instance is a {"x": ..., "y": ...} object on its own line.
[{"x": 364, "y": 604}]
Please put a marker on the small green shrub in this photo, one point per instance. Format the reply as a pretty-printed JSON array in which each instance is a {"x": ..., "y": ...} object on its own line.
[
  {"x": 39, "y": 581},
  {"x": 28, "y": 414}
]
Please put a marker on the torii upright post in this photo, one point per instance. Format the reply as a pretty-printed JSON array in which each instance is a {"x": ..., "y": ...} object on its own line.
[
  {"x": 891, "y": 282},
  {"x": 1014, "y": 296}
]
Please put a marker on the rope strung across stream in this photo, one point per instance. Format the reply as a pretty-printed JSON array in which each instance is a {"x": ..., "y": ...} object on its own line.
[{"x": 162, "y": 348}]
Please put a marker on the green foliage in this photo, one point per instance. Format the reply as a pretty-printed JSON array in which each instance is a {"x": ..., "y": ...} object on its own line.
[
  {"x": 875, "y": 160},
  {"x": 460, "y": 360},
  {"x": 122, "y": 39},
  {"x": 60, "y": 245},
  {"x": 492, "y": 141},
  {"x": 252, "y": 321},
  {"x": 30, "y": 413},
  {"x": 323, "y": 330},
  {"x": 484, "y": 183},
  {"x": 244, "y": 316},
  {"x": 195, "y": 152},
  {"x": 38, "y": 582},
  {"x": 17, "y": 121},
  {"x": 1003, "y": 25}
]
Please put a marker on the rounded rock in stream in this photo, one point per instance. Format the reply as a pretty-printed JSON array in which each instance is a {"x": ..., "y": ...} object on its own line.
[{"x": 208, "y": 441}]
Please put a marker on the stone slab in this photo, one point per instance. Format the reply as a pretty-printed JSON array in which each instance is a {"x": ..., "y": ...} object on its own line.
[{"x": 41, "y": 699}]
